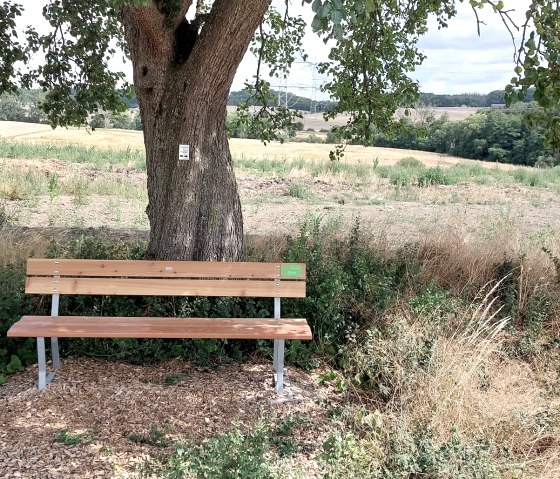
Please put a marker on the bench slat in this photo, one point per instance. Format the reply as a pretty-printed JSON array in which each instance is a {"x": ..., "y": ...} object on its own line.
[
  {"x": 150, "y": 327},
  {"x": 165, "y": 287},
  {"x": 162, "y": 269}
]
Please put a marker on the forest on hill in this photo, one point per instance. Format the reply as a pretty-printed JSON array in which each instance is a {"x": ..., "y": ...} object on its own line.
[{"x": 25, "y": 105}]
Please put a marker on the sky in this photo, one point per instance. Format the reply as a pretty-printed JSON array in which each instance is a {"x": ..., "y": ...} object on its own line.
[{"x": 458, "y": 60}]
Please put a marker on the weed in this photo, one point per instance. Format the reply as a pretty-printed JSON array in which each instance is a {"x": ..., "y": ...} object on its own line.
[
  {"x": 282, "y": 438},
  {"x": 432, "y": 303},
  {"x": 346, "y": 455},
  {"x": 419, "y": 453},
  {"x": 338, "y": 380},
  {"x": 234, "y": 455},
  {"x": 155, "y": 438},
  {"x": 410, "y": 162},
  {"x": 173, "y": 379},
  {"x": 53, "y": 186},
  {"x": 434, "y": 176},
  {"x": 106, "y": 450},
  {"x": 68, "y": 438},
  {"x": 401, "y": 177},
  {"x": 299, "y": 190}
]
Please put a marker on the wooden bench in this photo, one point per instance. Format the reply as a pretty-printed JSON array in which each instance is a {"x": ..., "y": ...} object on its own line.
[{"x": 162, "y": 278}]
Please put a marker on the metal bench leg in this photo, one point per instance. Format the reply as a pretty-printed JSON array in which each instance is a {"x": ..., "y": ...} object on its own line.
[
  {"x": 54, "y": 341},
  {"x": 55, "y": 353},
  {"x": 279, "y": 365},
  {"x": 278, "y": 360},
  {"x": 275, "y": 357},
  {"x": 44, "y": 377},
  {"x": 42, "y": 363}
]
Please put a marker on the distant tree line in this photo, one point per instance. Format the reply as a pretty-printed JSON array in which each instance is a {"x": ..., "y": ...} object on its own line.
[
  {"x": 295, "y": 102},
  {"x": 500, "y": 135},
  {"x": 23, "y": 107},
  {"x": 472, "y": 100}
]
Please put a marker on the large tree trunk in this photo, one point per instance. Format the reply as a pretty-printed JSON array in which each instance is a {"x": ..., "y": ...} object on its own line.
[{"x": 182, "y": 89}]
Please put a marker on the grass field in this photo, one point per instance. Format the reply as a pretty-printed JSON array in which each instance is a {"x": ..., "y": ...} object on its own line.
[
  {"x": 240, "y": 148},
  {"x": 64, "y": 178},
  {"x": 451, "y": 372}
]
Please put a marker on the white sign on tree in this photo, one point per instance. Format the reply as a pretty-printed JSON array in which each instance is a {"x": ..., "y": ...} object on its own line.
[{"x": 184, "y": 152}]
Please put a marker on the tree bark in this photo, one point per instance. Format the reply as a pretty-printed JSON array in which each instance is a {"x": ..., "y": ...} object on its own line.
[{"x": 182, "y": 83}]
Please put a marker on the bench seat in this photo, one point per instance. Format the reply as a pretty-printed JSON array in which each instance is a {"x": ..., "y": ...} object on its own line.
[{"x": 153, "y": 327}]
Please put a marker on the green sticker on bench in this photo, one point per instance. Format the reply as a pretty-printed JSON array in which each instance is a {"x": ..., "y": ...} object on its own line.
[{"x": 291, "y": 270}]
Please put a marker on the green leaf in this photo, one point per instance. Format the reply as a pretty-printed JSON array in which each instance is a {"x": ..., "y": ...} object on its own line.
[
  {"x": 336, "y": 17},
  {"x": 369, "y": 5},
  {"x": 14, "y": 365}
]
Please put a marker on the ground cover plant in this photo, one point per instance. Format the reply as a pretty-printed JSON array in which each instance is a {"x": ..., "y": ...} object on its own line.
[{"x": 433, "y": 301}]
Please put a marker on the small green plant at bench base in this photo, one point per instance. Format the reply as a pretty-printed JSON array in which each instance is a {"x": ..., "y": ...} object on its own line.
[
  {"x": 175, "y": 378},
  {"x": 156, "y": 437},
  {"x": 13, "y": 366},
  {"x": 68, "y": 438}
]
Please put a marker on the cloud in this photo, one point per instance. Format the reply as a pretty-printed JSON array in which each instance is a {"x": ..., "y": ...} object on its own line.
[{"x": 459, "y": 61}]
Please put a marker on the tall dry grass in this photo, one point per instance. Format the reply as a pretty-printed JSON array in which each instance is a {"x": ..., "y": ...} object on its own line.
[
  {"x": 472, "y": 387},
  {"x": 16, "y": 246}
]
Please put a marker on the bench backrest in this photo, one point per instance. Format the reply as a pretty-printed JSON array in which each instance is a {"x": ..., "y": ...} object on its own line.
[{"x": 165, "y": 278}]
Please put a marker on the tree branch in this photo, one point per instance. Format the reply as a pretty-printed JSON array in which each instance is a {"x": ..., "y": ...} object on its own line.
[{"x": 225, "y": 37}]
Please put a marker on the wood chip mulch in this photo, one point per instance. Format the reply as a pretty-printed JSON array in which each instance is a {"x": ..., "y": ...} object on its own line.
[{"x": 105, "y": 402}]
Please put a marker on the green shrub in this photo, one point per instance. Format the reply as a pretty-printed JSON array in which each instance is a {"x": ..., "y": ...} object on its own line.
[
  {"x": 434, "y": 176},
  {"x": 64, "y": 436},
  {"x": 299, "y": 190},
  {"x": 234, "y": 455},
  {"x": 410, "y": 162},
  {"x": 419, "y": 453},
  {"x": 401, "y": 177},
  {"x": 15, "y": 352}
]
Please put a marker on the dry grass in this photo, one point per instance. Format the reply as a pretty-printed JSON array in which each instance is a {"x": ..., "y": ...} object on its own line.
[
  {"x": 461, "y": 261},
  {"x": 471, "y": 384},
  {"x": 15, "y": 247}
]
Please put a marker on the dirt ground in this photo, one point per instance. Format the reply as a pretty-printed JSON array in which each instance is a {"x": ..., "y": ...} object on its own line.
[{"x": 471, "y": 210}]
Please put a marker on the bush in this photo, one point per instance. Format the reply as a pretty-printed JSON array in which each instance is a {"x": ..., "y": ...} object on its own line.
[
  {"x": 419, "y": 453},
  {"x": 434, "y": 176},
  {"x": 308, "y": 139},
  {"x": 410, "y": 162}
]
